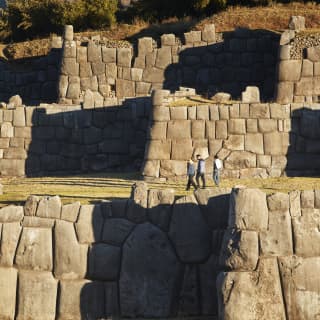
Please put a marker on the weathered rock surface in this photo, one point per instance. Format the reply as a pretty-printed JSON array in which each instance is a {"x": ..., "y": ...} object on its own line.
[
  {"x": 35, "y": 249},
  {"x": 116, "y": 231},
  {"x": 70, "y": 257},
  {"x": 239, "y": 250},
  {"x": 11, "y": 214},
  {"x": 49, "y": 207},
  {"x": 237, "y": 289},
  {"x": 148, "y": 259},
  {"x": 189, "y": 232},
  {"x": 248, "y": 210},
  {"x": 37, "y": 296},
  {"x": 8, "y": 287},
  {"x": 81, "y": 299},
  {"x": 104, "y": 262}
]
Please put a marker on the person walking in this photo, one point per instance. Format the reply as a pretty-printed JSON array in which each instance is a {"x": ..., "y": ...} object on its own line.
[
  {"x": 201, "y": 170},
  {"x": 191, "y": 173},
  {"x": 216, "y": 170}
]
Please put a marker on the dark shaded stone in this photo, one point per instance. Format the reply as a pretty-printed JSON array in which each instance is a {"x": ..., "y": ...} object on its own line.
[
  {"x": 115, "y": 231},
  {"x": 149, "y": 274},
  {"x": 189, "y": 232}
]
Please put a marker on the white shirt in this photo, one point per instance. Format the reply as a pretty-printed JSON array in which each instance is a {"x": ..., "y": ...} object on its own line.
[{"x": 218, "y": 164}]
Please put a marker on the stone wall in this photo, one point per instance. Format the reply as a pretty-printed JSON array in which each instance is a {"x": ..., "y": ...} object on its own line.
[
  {"x": 158, "y": 256},
  {"x": 55, "y": 138},
  {"x": 92, "y": 72},
  {"x": 299, "y": 64},
  {"x": 252, "y": 140},
  {"x": 34, "y": 79}
]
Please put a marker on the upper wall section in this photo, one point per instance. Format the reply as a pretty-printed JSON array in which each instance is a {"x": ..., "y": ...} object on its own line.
[
  {"x": 299, "y": 64},
  {"x": 93, "y": 73}
]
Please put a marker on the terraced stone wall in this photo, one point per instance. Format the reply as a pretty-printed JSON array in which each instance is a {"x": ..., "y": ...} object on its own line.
[
  {"x": 62, "y": 139},
  {"x": 252, "y": 140},
  {"x": 34, "y": 79},
  {"x": 155, "y": 255},
  {"x": 94, "y": 73}
]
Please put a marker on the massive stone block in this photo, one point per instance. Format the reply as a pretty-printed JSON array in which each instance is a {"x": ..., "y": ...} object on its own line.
[
  {"x": 276, "y": 143},
  {"x": 158, "y": 150},
  {"x": 179, "y": 129},
  {"x": 240, "y": 160},
  {"x": 37, "y": 295},
  {"x": 301, "y": 285},
  {"x": 81, "y": 299},
  {"x": 306, "y": 235},
  {"x": 89, "y": 224},
  {"x": 35, "y": 249},
  {"x": 49, "y": 207},
  {"x": 181, "y": 149},
  {"x": 104, "y": 262},
  {"x": 164, "y": 57},
  {"x": 70, "y": 257},
  {"x": 239, "y": 250},
  {"x": 254, "y": 143},
  {"x": 70, "y": 211},
  {"x": 277, "y": 240},
  {"x": 189, "y": 232},
  {"x": 8, "y": 287},
  {"x": 160, "y": 207},
  {"x": 290, "y": 70},
  {"x": 148, "y": 259},
  {"x": 9, "y": 241},
  {"x": 11, "y": 214},
  {"x": 237, "y": 126},
  {"x": 116, "y": 231},
  {"x": 171, "y": 168},
  {"x": 248, "y": 210},
  {"x": 234, "y": 142},
  {"x": 251, "y": 295},
  {"x": 214, "y": 204}
]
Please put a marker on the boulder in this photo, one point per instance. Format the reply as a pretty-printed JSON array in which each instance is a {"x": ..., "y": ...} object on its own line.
[
  {"x": 172, "y": 168},
  {"x": 221, "y": 97},
  {"x": 182, "y": 149},
  {"x": 290, "y": 70},
  {"x": 239, "y": 250},
  {"x": 89, "y": 224},
  {"x": 189, "y": 232},
  {"x": 148, "y": 258},
  {"x": 297, "y": 23},
  {"x": 248, "y": 210},
  {"x": 237, "y": 126},
  {"x": 276, "y": 143},
  {"x": 34, "y": 251},
  {"x": 104, "y": 262},
  {"x": 8, "y": 293},
  {"x": 179, "y": 129},
  {"x": 158, "y": 150},
  {"x": 278, "y": 201},
  {"x": 14, "y": 102},
  {"x": 37, "y": 295},
  {"x": 70, "y": 257},
  {"x": 240, "y": 160},
  {"x": 234, "y": 142},
  {"x": 151, "y": 168},
  {"x": 254, "y": 143}
]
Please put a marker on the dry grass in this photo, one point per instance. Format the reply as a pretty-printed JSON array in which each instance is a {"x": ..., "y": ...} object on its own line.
[
  {"x": 274, "y": 17},
  {"x": 98, "y": 187}
]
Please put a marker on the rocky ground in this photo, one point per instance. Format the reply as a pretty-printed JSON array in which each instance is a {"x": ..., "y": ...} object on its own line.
[{"x": 97, "y": 187}]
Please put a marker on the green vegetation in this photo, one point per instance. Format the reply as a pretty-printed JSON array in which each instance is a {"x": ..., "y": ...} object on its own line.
[{"x": 97, "y": 187}]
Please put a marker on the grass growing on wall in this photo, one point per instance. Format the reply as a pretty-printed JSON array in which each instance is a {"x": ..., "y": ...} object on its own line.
[{"x": 97, "y": 187}]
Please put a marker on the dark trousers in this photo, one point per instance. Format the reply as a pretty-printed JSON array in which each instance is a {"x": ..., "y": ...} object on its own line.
[
  {"x": 201, "y": 175},
  {"x": 191, "y": 182}
]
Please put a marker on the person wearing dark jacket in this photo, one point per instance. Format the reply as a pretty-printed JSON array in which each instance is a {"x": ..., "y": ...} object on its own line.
[
  {"x": 191, "y": 173},
  {"x": 201, "y": 171}
]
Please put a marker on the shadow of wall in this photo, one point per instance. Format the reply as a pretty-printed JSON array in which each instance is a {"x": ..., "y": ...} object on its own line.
[
  {"x": 87, "y": 140},
  {"x": 34, "y": 79},
  {"x": 243, "y": 58},
  {"x": 303, "y": 157},
  {"x": 154, "y": 256}
]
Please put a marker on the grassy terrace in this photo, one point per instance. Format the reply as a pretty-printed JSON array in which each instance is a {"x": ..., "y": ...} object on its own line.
[{"x": 96, "y": 187}]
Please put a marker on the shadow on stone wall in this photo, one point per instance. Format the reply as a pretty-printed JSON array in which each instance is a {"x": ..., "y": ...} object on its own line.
[
  {"x": 244, "y": 58},
  {"x": 303, "y": 157},
  {"x": 152, "y": 256},
  {"x": 34, "y": 79},
  {"x": 87, "y": 140}
]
